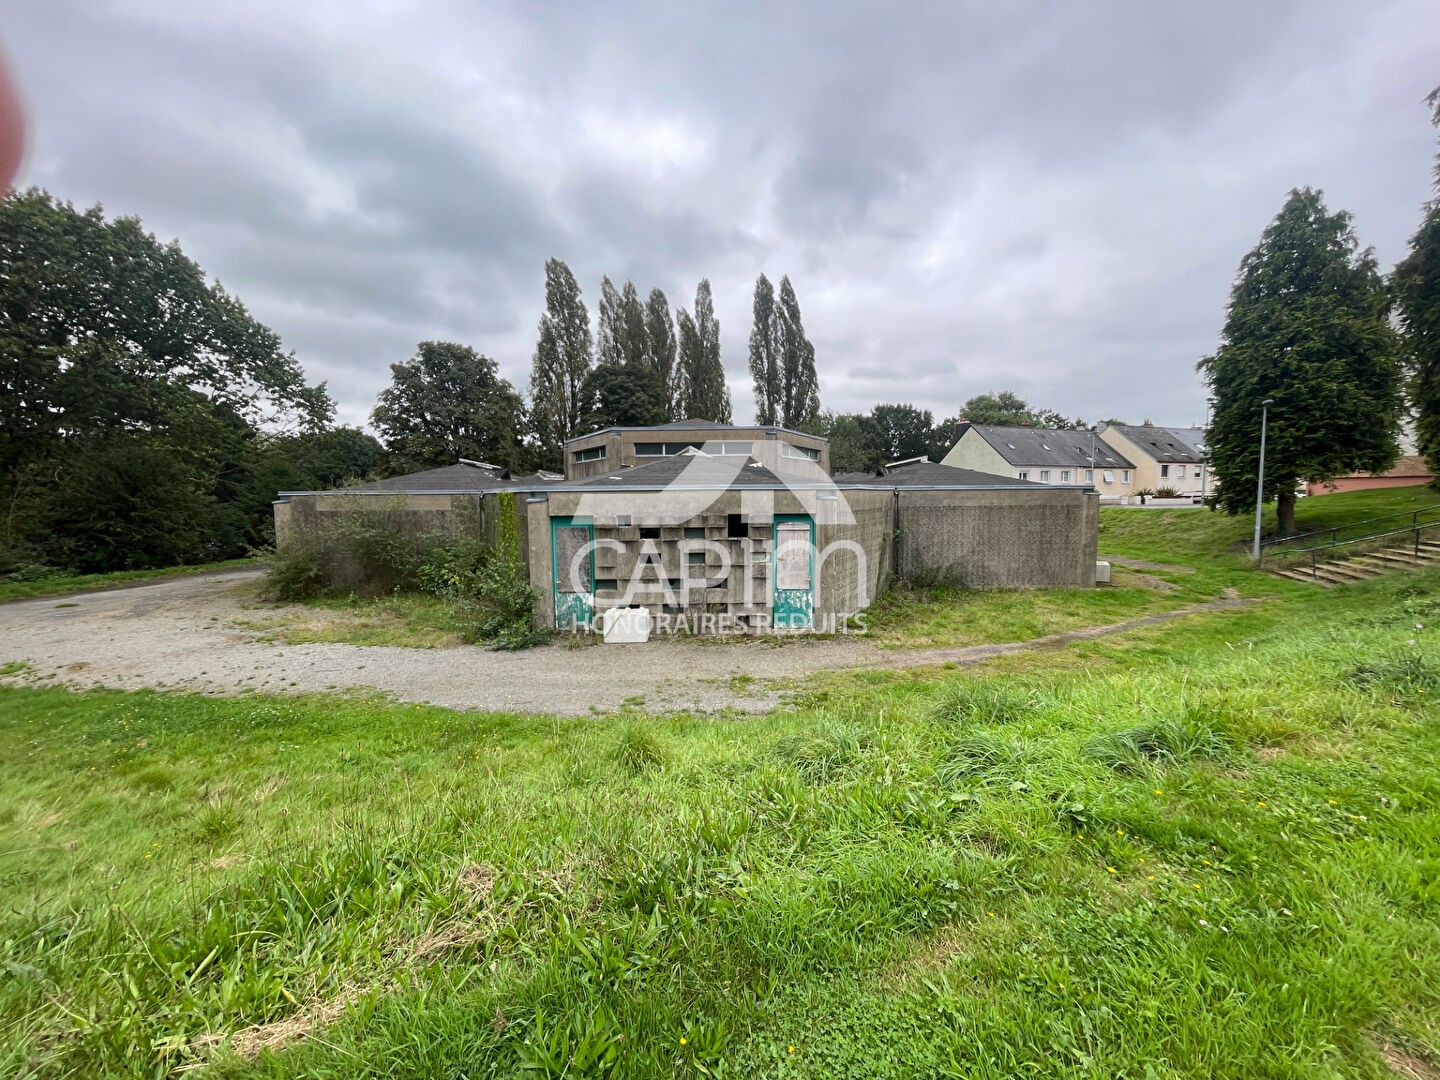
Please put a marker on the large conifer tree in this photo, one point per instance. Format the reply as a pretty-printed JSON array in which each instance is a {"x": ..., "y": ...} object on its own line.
[{"x": 1307, "y": 327}]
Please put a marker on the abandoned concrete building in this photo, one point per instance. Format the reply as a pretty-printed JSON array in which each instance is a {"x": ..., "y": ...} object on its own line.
[{"x": 723, "y": 529}]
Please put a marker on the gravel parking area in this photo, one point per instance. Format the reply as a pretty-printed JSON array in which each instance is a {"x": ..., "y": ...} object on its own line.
[{"x": 183, "y": 634}]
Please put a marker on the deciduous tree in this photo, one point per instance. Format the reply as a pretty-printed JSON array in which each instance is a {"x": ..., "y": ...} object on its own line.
[
  {"x": 1416, "y": 282},
  {"x": 704, "y": 393},
  {"x": 1307, "y": 328},
  {"x": 765, "y": 367},
  {"x": 800, "y": 394},
  {"x": 449, "y": 402},
  {"x": 660, "y": 349},
  {"x": 561, "y": 362}
]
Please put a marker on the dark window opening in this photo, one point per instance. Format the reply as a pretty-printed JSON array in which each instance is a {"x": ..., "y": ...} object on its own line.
[
  {"x": 606, "y": 583},
  {"x": 695, "y": 558},
  {"x": 717, "y": 583},
  {"x": 737, "y": 528},
  {"x": 694, "y": 534},
  {"x": 649, "y": 533}
]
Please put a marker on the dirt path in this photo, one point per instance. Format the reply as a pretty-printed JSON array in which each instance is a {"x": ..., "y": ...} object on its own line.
[{"x": 181, "y": 633}]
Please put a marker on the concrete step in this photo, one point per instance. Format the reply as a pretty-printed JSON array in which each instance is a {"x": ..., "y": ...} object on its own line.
[
  {"x": 1395, "y": 558},
  {"x": 1424, "y": 553},
  {"x": 1344, "y": 573},
  {"x": 1305, "y": 576}
]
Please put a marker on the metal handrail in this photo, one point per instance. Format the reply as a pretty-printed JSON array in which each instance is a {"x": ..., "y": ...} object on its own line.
[
  {"x": 1335, "y": 531},
  {"x": 1414, "y": 530}
]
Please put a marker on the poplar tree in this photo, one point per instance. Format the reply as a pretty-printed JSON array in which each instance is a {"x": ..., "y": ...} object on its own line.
[
  {"x": 800, "y": 393},
  {"x": 703, "y": 393},
  {"x": 660, "y": 349},
  {"x": 765, "y": 368},
  {"x": 1308, "y": 329},
  {"x": 561, "y": 362},
  {"x": 609, "y": 328},
  {"x": 631, "y": 332}
]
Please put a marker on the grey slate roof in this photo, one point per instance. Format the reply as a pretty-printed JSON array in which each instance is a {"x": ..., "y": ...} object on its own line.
[
  {"x": 931, "y": 474},
  {"x": 1166, "y": 443},
  {"x": 1043, "y": 447}
]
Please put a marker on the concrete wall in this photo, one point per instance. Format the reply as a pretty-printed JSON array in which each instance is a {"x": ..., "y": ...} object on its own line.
[
  {"x": 999, "y": 539},
  {"x": 1364, "y": 483},
  {"x": 854, "y": 550},
  {"x": 328, "y": 519}
]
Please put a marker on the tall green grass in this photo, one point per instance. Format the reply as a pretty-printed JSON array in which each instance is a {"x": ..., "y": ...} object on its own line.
[{"x": 1220, "y": 863}]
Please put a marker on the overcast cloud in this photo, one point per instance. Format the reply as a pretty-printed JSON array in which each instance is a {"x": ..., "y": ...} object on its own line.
[{"x": 1050, "y": 198}]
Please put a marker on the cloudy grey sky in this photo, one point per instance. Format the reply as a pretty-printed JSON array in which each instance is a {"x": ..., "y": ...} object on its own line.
[{"x": 1045, "y": 197}]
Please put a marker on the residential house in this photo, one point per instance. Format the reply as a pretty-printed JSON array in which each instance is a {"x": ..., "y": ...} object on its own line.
[
  {"x": 1165, "y": 457},
  {"x": 1045, "y": 456}
]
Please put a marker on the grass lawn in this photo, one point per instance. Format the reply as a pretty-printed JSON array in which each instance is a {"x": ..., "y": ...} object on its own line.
[
  {"x": 65, "y": 584},
  {"x": 1212, "y": 849}
]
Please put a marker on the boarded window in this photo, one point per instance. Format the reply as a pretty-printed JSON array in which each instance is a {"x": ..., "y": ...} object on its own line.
[{"x": 572, "y": 559}]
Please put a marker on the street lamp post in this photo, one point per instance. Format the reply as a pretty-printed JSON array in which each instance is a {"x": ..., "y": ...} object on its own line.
[{"x": 1260, "y": 483}]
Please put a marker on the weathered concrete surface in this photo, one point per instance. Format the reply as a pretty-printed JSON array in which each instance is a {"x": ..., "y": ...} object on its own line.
[{"x": 183, "y": 634}]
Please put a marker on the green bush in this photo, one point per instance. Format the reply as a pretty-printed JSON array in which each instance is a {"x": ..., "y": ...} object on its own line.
[
  {"x": 296, "y": 573},
  {"x": 453, "y": 567},
  {"x": 500, "y": 609}
]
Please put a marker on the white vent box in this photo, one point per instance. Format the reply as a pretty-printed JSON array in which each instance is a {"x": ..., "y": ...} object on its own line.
[{"x": 625, "y": 625}]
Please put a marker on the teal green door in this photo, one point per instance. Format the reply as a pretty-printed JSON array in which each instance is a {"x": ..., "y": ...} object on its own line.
[
  {"x": 793, "y": 572},
  {"x": 572, "y": 569}
]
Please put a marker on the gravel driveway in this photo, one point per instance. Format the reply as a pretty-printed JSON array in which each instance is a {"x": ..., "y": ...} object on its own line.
[{"x": 182, "y": 633}]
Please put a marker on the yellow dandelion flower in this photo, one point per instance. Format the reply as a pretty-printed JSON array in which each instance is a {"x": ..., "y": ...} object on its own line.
[
  {"x": 1149, "y": 877},
  {"x": 792, "y": 1049},
  {"x": 1111, "y": 869},
  {"x": 1260, "y": 802},
  {"x": 1332, "y": 802},
  {"x": 683, "y": 1040},
  {"x": 1159, "y": 792},
  {"x": 1204, "y": 862}
]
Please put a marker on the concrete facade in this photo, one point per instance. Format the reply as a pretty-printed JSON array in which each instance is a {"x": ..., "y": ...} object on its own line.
[
  {"x": 725, "y": 544},
  {"x": 625, "y": 447}
]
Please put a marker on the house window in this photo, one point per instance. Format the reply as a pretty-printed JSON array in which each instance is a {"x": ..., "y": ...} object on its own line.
[
  {"x": 1064, "y": 476},
  {"x": 790, "y": 450},
  {"x": 1181, "y": 472},
  {"x": 649, "y": 533},
  {"x": 1164, "y": 470},
  {"x": 737, "y": 528},
  {"x": 1044, "y": 476},
  {"x": 1022, "y": 474},
  {"x": 595, "y": 453},
  {"x": 1089, "y": 476},
  {"x": 694, "y": 533},
  {"x": 667, "y": 449},
  {"x": 1108, "y": 476},
  {"x": 1124, "y": 476}
]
